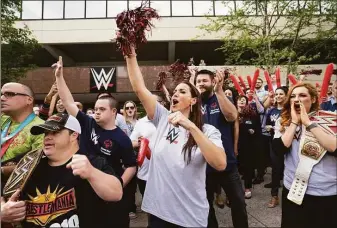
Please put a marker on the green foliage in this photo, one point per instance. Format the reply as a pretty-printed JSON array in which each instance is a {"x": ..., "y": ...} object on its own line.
[
  {"x": 17, "y": 44},
  {"x": 267, "y": 33}
]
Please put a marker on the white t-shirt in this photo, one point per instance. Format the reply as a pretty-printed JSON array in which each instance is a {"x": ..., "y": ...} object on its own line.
[
  {"x": 323, "y": 177},
  {"x": 176, "y": 192},
  {"x": 144, "y": 128}
]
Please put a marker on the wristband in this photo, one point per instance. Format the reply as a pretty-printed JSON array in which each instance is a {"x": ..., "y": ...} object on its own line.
[
  {"x": 294, "y": 123},
  {"x": 311, "y": 126}
]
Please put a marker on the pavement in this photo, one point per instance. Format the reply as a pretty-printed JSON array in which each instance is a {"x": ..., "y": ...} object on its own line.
[{"x": 259, "y": 215}]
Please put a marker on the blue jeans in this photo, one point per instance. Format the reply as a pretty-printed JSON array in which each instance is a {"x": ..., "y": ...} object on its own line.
[{"x": 231, "y": 184}]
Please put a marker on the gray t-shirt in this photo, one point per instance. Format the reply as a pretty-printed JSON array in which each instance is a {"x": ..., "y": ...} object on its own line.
[
  {"x": 176, "y": 192},
  {"x": 323, "y": 178}
]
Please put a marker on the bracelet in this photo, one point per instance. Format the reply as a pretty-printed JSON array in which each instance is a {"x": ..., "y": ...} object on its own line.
[
  {"x": 294, "y": 123},
  {"x": 311, "y": 126}
]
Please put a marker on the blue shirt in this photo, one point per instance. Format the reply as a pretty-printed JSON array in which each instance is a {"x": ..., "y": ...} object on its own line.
[
  {"x": 272, "y": 116},
  {"x": 329, "y": 105},
  {"x": 114, "y": 145},
  {"x": 212, "y": 115}
]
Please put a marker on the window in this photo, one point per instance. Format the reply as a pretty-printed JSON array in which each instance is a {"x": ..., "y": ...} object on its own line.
[
  {"x": 181, "y": 8},
  {"x": 116, "y": 7},
  {"x": 74, "y": 9},
  {"x": 135, "y": 4},
  {"x": 223, "y": 7},
  {"x": 32, "y": 9},
  {"x": 163, "y": 7},
  {"x": 95, "y": 9},
  {"x": 53, "y": 9},
  {"x": 201, "y": 8}
]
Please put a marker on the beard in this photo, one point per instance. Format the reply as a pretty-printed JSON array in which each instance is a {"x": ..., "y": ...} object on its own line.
[{"x": 207, "y": 93}]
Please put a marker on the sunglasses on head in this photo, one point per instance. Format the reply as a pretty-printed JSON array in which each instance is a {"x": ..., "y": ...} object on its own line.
[
  {"x": 131, "y": 107},
  {"x": 13, "y": 94}
]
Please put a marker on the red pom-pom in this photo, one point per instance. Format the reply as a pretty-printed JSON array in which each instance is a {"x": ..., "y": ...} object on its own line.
[
  {"x": 179, "y": 71},
  {"x": 132, "y": 25},
  {"x": 161, "y": 80}
]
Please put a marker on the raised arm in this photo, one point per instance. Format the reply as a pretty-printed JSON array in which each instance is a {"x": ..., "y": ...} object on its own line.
[
  {"x": 63, "y": 90},
  {"x": 138, "y": 85},
  {"x": 226, "y": 106}
]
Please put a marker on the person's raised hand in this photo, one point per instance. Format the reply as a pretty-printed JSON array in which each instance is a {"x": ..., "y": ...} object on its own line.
[{"x": 58, "y": 67}]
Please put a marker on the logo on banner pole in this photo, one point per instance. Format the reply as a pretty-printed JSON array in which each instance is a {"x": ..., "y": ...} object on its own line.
[{"x": 102, "y": 78}]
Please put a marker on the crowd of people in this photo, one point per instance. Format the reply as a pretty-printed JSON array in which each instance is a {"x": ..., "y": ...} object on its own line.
[{"x": 205, "y": 139}]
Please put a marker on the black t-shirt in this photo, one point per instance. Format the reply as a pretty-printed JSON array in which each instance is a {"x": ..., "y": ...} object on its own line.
[
  {"x": 114, "y": 145},
  {"x": 56, "y": 198}
]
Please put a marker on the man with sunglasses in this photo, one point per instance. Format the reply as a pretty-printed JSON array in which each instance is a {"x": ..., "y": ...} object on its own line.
[
  {"x": 101, "y": 137},
  {"x": 17, "y": 118}
]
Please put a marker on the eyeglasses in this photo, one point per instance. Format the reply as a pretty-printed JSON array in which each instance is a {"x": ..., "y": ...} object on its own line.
[
  {"x": 131, "y": 107},
  {"x": 13, "y": 94}
]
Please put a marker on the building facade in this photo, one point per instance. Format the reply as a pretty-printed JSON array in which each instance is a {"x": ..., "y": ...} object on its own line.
[{"x": 82, "y": 32}]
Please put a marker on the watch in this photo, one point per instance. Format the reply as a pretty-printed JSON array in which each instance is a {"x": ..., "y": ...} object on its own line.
[{"x": 311, "y": 126}]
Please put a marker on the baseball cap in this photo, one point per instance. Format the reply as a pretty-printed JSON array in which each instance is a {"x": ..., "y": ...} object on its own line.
[{"x": 57, "y": 122}]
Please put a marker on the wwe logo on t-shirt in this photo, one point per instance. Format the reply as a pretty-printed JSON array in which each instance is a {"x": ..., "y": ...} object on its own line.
[
  {"x": 274, "y": 117},
  {"x": 94, "y": 137},
  {"x": 173, "y": 135}
]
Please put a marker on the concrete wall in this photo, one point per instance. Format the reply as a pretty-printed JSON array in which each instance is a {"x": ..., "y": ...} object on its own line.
[{"x": 103, "y": 30}]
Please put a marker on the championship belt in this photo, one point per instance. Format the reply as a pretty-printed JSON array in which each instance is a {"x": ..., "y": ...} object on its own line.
[
  {"x": 310, "y": 153},
  {"x": 22, "y": 172}
]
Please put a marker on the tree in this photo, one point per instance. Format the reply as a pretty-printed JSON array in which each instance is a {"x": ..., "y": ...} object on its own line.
[
  {"x": 17, "y": 44},
  {"x": 267, "y": 33}
]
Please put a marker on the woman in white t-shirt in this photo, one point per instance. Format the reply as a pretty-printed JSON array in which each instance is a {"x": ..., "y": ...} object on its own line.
[
  {"x": 318, "y": 208},
  {"x": 175, "y": 193}
]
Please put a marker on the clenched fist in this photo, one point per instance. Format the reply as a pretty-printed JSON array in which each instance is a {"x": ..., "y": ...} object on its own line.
[{"x": 81, "y": 166}]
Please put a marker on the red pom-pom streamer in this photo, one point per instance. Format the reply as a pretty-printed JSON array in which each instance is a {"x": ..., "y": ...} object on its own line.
[
  {"x": 179, "y": 71},
  {"x": 292, "y": 79},
  {"x": 252, "y": 87},
  {"x": 249, "y": 79},
  {"x": 326, "y": 80},
  {"x": 236, "y": 85},
  {"x": 268, "y": 80},
  {"x": 242, "y": 82},
  {"x": 161, "y": 80},
  {"x": 278, "y": 77},
  {"x": 132, "y": 25}
]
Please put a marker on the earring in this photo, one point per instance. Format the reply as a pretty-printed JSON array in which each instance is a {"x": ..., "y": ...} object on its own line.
[{"x": 191, "y": 108}]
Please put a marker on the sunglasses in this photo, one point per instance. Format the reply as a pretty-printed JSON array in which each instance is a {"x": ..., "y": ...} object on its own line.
[
  {"x": 131, "y": 107},
  {"x": 13, "y": 94}
]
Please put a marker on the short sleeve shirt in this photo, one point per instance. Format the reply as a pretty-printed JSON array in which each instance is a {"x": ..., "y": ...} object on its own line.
[
  {"x": 323, "y": 177},
  {"x": 24, "y": 141},
  {"x": 56, "y": 198},
  {"x": 175, "y": 191},
  {"x": 144, "y": 128},
  {"x": 114, "y": 145}
]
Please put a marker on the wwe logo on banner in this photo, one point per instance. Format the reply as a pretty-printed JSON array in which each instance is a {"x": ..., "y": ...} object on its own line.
[{"x": 102, "y": 78}]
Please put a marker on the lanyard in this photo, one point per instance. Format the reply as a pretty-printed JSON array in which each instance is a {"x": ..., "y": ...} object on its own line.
[{"x": 5, "y": 137}]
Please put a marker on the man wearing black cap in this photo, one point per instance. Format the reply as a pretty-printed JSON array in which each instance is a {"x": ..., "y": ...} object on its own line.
[{"x": 66, "y": 189}]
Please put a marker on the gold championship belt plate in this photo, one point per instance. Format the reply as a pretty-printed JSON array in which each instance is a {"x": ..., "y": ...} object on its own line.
[{"x": 22, "y": 172}]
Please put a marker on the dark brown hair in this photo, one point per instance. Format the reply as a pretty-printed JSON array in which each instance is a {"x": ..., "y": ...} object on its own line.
[
  {"x": 111, "y": 99},
  {"x": 196, "y": 118},
  {"x": 286, "y": 111}
]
